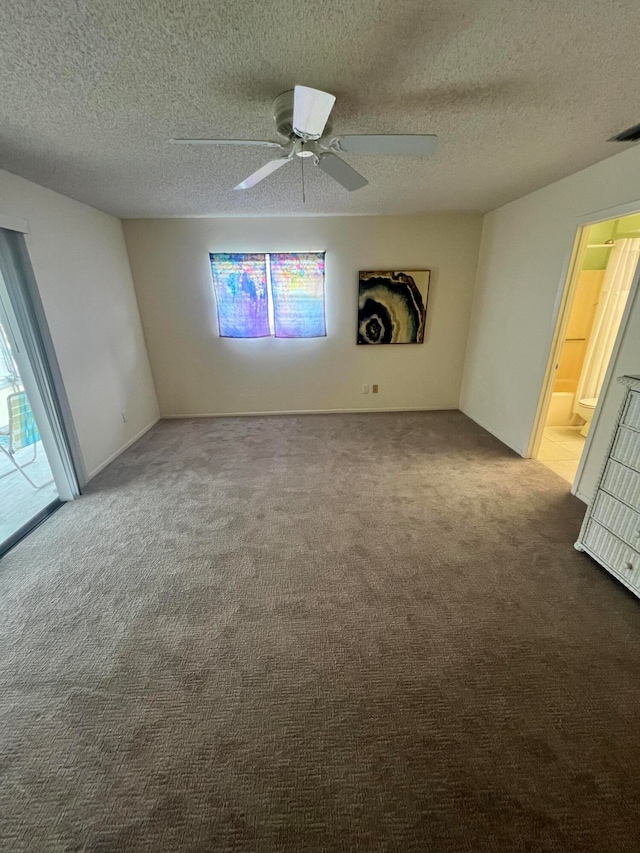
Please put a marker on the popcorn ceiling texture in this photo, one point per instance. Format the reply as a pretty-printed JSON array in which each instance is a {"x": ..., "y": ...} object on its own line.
[{"x": 520, "y": 93}]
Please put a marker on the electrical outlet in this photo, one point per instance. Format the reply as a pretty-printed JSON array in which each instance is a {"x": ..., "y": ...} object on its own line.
[
  {"x": 374, "y": 388},
  {"x": 125, "y": 416},
  {"x": 365, "y": 389}
]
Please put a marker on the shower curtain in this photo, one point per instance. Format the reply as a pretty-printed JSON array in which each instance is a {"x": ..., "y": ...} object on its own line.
[{"x": 617, "y": 282}]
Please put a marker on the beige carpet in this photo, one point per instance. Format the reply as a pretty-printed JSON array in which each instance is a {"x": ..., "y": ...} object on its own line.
[{"x": 326, "y": 633}]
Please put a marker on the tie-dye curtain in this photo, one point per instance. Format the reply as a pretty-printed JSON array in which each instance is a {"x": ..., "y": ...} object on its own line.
[
  {"x": 297, "y": 285},
  {"x": 241, "y": 295},
  {"x": 291, "y": 283}
]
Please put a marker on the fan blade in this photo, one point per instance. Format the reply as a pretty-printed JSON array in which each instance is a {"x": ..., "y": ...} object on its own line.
[
  {"x": 311, "y": 109},
  {"x": 261, "y": 142},
  {"x": 262, "y": 173},
  {"x": 341, "y": 172},
  {"x": 388, "y": 143}
]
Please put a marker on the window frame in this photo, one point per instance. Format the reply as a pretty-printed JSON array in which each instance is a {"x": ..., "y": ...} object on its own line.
[{"x": 271, "y": 307}]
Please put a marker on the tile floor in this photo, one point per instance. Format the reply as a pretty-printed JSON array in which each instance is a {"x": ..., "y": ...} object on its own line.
[{"x": 560, "y": 450}]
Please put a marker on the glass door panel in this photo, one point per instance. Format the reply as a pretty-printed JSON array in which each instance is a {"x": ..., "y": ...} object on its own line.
[{"x": 27, "y": 488}]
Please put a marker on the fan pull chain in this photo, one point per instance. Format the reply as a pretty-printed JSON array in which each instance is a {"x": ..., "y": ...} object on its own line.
[{"x": 302, "y": 159}]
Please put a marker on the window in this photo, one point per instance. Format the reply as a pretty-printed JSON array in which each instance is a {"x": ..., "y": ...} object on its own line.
[{"x": 279, "y": 294}]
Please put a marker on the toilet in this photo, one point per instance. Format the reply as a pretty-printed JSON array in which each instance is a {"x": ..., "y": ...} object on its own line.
[{"x": 586, "y": 408}]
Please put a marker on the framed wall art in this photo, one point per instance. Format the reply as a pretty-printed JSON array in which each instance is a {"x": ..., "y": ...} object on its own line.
[{"x": 392, "y": 306}]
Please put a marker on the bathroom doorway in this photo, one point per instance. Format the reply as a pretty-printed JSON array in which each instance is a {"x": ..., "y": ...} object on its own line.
[{"x": 596, "y": 296}]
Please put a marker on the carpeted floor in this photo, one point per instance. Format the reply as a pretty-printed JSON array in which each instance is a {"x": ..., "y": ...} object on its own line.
[{"x": 320, "y": 633}]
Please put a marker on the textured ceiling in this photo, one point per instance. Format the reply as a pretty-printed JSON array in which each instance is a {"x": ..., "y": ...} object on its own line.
[{"x": 520, "y": 92}]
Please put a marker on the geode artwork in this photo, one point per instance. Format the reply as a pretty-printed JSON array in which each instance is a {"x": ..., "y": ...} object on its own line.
[{"x": 392, "y": 307}]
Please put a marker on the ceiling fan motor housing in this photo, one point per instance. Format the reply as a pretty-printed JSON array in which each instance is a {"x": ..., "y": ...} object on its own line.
[{"x": 283, "y": 116}]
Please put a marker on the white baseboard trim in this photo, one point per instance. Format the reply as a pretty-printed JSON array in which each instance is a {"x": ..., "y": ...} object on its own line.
[
  {"x": 124, "y": 447},
  {"x": 517, "y": 450},
  {"x": 310, "y": 412},
  {"x": 581, "y": 496}
]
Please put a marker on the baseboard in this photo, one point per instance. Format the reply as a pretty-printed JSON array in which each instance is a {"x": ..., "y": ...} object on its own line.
[
  {"x": 516, "y": 449},
  {"x": 310, "y": 412},
  {"x": 124, "y": 447}
]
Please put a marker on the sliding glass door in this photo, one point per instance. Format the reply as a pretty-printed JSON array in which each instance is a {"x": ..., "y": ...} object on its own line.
[
  {"x": 27, "y": 486},
  {"x": 36, "y": 469}
]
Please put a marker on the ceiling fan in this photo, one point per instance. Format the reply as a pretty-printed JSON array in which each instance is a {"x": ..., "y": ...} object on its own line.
[{"x": 302, "y": 120}]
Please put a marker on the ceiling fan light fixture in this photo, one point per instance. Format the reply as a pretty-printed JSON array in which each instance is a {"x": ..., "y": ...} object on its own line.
[{"x": 305, "y": 149}]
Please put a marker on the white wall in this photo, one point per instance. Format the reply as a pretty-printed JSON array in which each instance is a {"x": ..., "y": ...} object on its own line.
[
  {"x": 197, "y": 372},
  {"x": 523, "y": 260},
  {"x": 82, "y": 270}
]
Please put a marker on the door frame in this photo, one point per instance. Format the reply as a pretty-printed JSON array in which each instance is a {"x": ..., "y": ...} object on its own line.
[{"x": 562, "y": 310}]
